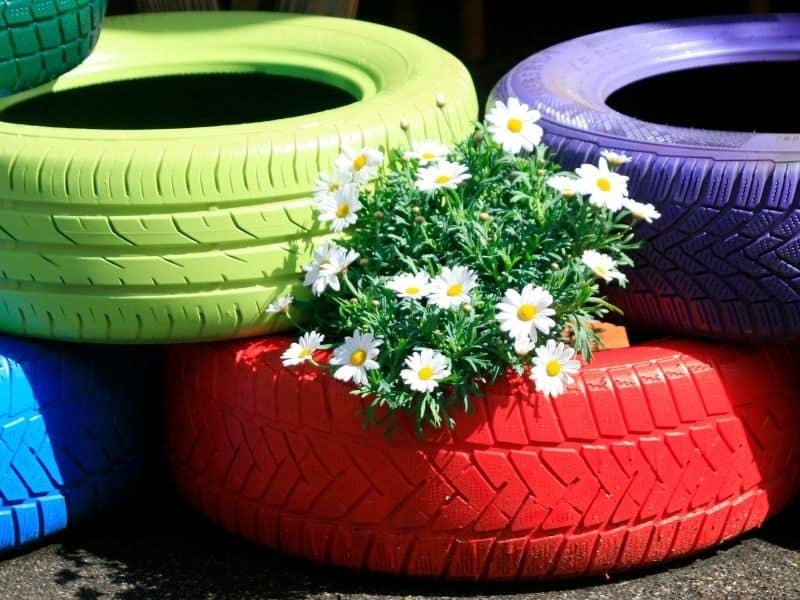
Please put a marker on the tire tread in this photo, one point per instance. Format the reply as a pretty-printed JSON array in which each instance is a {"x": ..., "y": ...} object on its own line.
[{"x": 279, "y": 457}]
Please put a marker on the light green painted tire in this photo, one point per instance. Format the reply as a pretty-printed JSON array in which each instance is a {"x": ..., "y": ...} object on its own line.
[{"x": 182, "y": 234}]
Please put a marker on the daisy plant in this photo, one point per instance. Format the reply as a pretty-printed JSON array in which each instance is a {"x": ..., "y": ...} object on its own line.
[{"x": 454, "y": 265}]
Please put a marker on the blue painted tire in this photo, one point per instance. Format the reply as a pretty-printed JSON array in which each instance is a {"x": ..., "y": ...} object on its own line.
[
  {"x": 71, "y": 429},
  {"x": 724, "y": 258}
]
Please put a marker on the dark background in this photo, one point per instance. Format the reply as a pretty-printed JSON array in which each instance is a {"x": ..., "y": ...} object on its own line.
[{"x": 514, "y": 29}]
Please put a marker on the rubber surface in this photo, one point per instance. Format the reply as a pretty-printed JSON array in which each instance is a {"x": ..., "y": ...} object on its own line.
[
  {"x": 180, "y": 234},
  {"x": 658, "y": 452},
  {"x": 71, "y": 434},
  {"x": 724, "y": 258},
  {"x": 42, "y": 39}
]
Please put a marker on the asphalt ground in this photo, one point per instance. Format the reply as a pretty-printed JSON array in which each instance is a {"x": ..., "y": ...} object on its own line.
[{"x": 156, "y": 546}]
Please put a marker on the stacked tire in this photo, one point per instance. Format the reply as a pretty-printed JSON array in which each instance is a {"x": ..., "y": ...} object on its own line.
[
  {"x": 657, "y": 452},
  {"x": 72, "y": 433},
  {"x": 722, "y": 261},
  {"x": 116, "y": 234},
  {"x": 42, "y": 39}
]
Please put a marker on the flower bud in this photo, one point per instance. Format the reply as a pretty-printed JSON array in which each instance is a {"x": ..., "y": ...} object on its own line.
[
  {"x": 363, "y": 262},
  {"x": 484, "y": 216},
  {"x": 415, "y": 209},
  {"x": 555, "y": 266},
  {"x": 378, "y": 215},
  {"x": 478, "y": 136},
  {"x": 369, "y": 188},
  {"x": 523, "y": 346},
  {"x": 404, "y": 124},
  {"x": 375, "y": 302},
  {"x": 440, "y": 100},
  {"x": 467, "y": 308},
  {"x": 419, "y": 220}
]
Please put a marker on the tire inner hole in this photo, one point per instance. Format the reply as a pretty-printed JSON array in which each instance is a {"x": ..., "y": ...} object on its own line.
[
  {"x": 737, "y": 97},
  {"x": 178, "y": 101}
]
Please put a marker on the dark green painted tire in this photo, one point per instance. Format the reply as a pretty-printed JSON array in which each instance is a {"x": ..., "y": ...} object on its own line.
[
  {"x": 41, "y": 39},
  {"x": 181, "y": 234}
]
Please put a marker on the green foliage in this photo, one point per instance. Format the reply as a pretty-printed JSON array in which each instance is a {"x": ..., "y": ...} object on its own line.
[{"x": 507, "y": 225}]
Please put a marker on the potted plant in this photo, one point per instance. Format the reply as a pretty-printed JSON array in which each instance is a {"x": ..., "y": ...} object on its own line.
[{"x": 460, "y": 304}]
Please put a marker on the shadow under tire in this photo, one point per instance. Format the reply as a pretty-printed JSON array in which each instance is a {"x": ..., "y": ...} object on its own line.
[
  {"x": 71, "y": 436},
  {"x": 42, "y": 39},
  {"x": 724, "y": 259},
  {"x": 656, "y": 452}
]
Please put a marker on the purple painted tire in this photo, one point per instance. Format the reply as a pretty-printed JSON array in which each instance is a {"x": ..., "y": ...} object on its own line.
[{"x": 724, "y": 259}]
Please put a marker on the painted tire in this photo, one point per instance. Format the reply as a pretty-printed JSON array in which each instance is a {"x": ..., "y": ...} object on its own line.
[
  {"x": 723, "y": 259},
  {"x": 179, "y": 234},
  {"x": 41, "y": 39},
  {"x": 657, "y": 452},
  {"x": 71, "y": 441}
]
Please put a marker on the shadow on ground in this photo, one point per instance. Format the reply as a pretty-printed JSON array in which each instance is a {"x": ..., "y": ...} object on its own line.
[{"x": 157, "y": 547}]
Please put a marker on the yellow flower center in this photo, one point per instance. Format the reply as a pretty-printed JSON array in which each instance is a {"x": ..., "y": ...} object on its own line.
[
  {"x": 342, "y": 211},
  {"x": 425, "y": 373},
  {"x": 412, "y": 291},
  {"x": 600, "y": 270},
  {"x": 514, "y": 125},
  {"x": 526, "y": 312},
  {"x": 428, "y": 155},
  {"x": 455, "y": 290},
  {"x": 324, "y": 262},
  {"x": 604, "y": 184},
  {"x": 552, "y": 368},
  {"x": 332, "y": 187},
  {"x": 442, "y": 179},
  {"x": 358, "y": 357},
  {"x": 359, "y": 162},
  {"x": 305, "y": 353}
]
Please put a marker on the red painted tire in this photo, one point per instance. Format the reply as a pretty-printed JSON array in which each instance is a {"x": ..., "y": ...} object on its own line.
[{"x": 657, "y": 452}]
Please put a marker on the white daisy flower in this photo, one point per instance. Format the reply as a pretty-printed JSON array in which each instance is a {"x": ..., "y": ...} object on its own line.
[
  {"x": 602, "y": 265},
  {"x": 356, "y": 356},
  {"x": 329, "y": 262},
  {"x": 522, "y": 313},
  {"x": 615, "y": 159},
  {"x": 361, "y": 165},
  {"x": 281, "y": 305},
  {"x": 327, "y": 184},
  {"x": 553, "y": 366},
  {"x": 441, "y": 175},
  {"x": 452, "y": 287},
  {"x": 303, "y": 349},
  {"x": 427, "y": 152},
  {"x": 606, "y": 189},
  {"x": 341, "y": 208},
  {"x": 523, "y": 346},
  {"x": 641, "y": 211},
  {"x": 409, "y": 285},
  {"x": 425, "y": 368},
  {"x": 566, "y": 186},
  {"x": 513, "y": 126}
]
